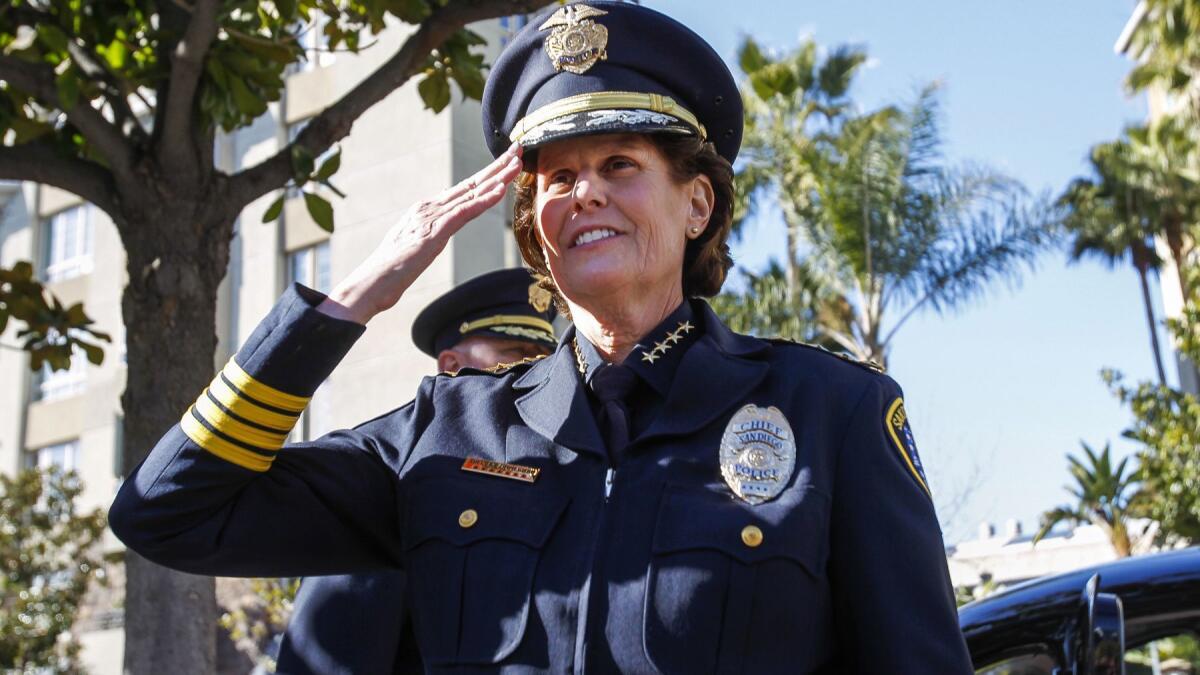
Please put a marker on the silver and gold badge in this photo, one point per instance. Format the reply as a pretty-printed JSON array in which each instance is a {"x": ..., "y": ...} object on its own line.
[
  {"x": 758, "y": 453},
  {"x": 576, "y": 42}
]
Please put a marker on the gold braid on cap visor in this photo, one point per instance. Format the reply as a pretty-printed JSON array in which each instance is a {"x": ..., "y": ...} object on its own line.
[
  {"x": 512, "y": 324},
  {"x": 605, "y": 100}
]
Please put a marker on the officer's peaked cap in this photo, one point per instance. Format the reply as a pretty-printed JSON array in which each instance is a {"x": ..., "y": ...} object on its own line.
[
  {"x": 504, "y": 303},
  {"x": 609, "y": 67}
]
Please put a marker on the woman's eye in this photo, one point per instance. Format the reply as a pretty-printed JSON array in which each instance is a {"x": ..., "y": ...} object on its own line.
[
  {"x": 618, "y": 163},
  {"x": 560, "y": 178}
]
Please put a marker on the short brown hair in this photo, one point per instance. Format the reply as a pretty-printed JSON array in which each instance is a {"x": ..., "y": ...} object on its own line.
[{"x": 706, "y": 260}]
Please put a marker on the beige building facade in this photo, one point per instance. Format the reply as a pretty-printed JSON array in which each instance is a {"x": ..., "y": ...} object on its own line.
[{"x": 397, "y": 153}]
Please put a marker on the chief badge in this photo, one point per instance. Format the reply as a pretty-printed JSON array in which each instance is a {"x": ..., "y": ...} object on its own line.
[
  {"x": 577, "y": 42},
  {"x": 539, "y": 298},
  {"x": 896, "y": 421},
  {"x": 758, "y": 453}
]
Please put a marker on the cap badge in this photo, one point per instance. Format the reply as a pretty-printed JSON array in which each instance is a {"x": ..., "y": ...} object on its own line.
[
  {"x": 758, "y": 453},
  {"x": 539, "y": 298},
  {"x": 577, "y": 42}
]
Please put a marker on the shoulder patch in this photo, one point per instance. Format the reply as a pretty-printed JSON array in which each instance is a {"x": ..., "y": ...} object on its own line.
[
  {"x": 868, "y": 365},
  {"x": 900, "y": 431}
]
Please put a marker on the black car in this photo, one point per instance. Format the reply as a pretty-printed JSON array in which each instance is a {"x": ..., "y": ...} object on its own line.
[{"x": 1137, "y": 615}]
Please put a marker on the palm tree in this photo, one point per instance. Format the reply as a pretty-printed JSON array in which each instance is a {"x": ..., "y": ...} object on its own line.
[
  {"x": 789, "y": 101},
  {"x": 1108, "y": 220},
  {"x": 1167, "y": 47},
  {"x": 896, "y": 230},
  {"x": 1104, "y": 496}
]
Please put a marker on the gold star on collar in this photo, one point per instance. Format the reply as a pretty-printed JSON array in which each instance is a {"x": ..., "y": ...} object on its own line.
[{"x": 661, "y": 348}]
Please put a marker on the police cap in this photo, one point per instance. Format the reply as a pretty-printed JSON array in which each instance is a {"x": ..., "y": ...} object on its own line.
[
  {"x": 504, "y": 304},
  {"x": 609, "y": 67}
]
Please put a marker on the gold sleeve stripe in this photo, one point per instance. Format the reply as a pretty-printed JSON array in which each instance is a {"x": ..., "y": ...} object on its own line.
[
  {"x": 261, "y": 392},
  {"x": 236, "y": 429},
  {"x": 220, "y": 447},
  {"x": 900, "y": 446},
  {"x": 249, "y": 410}
]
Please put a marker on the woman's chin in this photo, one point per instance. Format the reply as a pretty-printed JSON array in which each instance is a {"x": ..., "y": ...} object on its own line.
[{"x": 597, "y": 279}]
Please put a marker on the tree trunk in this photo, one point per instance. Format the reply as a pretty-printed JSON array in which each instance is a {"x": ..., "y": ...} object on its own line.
[
  {"x": 1143, "y": 276},
  {"x": 177, "y": 254}
]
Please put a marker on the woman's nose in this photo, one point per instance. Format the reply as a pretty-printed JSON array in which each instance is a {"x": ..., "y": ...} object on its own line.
[{"x": 588, "y": 193}]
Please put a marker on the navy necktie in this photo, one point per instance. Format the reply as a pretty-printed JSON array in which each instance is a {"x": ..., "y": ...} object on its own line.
[{"x": 612, "y": 385}]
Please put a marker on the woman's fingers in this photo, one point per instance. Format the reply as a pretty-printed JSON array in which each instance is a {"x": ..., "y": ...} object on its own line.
[
  {"x": 474, "y": 182},
  {"x": 505, "y": 175}
]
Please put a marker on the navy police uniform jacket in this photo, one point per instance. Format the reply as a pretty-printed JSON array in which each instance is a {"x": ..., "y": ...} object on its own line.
[{"x": 646, "y": 568}]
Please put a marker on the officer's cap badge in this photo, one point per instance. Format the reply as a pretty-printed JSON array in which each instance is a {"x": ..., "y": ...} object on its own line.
[
  {"x": 758, "y": 453},
  {"x": 576, "y": 42},
  {"x": 539, "y": 298}
]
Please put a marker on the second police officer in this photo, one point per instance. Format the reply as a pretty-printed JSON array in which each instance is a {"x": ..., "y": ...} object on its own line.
[{"x": 659, "y": 495}]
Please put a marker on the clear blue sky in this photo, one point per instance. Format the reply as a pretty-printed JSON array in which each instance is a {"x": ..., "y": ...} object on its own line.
[{"x": 1008, "y": 386}]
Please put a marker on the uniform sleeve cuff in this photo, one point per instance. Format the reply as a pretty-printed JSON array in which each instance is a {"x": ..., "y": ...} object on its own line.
[
  {"x": 246, "y": 414},
  {"x": 295, "y": 348}
]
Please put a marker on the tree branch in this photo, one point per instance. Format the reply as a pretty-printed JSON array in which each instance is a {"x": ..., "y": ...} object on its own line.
[
  {"x": 38, "y": 81},
  {"x": 176, "y": 145},
  {"x": 41, "y": 163},
  {"x": 116, "y": 97},
  {"x": 334, "y": 123}
]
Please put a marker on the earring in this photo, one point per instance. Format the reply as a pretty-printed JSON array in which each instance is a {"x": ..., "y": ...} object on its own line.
[{"x": 694, "y": 230}]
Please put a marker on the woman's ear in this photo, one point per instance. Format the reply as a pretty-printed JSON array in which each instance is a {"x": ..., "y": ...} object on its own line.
[{"x": 700, "y": 205}]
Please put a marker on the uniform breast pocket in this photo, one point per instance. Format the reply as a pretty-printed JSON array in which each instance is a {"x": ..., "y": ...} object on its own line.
[
  {"x": 472, "y": 548},
  {"x": 732, "y": 587}
]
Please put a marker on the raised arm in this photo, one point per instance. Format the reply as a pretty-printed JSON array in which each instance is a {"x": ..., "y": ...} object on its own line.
[{"x": 221, "y": 494}]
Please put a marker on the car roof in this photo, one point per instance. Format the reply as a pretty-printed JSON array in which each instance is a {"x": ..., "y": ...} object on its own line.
[{"x": 1035, "y": 612}]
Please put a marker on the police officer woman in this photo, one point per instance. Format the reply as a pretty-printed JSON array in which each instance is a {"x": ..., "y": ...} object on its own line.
[{"x": 659, "y": 495}]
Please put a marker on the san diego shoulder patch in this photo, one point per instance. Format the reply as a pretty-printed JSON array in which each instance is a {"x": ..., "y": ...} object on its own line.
[{"x": 900, "y": 431}]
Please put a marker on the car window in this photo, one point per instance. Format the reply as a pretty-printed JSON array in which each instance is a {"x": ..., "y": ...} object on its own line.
[
  {"x": 1022, "y": 664},
  {"x": 1174, "y": 655}
]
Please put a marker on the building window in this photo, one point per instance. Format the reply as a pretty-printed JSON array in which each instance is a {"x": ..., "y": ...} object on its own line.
[
  {"x": 509, "y": 25},
  {"x": 68, "y": 243},
  {"x": 65, "y": 456},
  {"x": 49, "y": 385},
  {"x": 310, "y": 266}
]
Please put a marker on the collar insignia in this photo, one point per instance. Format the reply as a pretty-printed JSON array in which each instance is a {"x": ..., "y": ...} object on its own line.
[
  {"x": 539, "y": 298},
  {"x": 576, "y": 42},
  {"x": 758, "y": 453},
  {"x": 661, "y": 348}
]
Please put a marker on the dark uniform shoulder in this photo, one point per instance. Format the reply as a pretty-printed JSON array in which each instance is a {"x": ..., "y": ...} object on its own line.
[{"x": 865, "y": 365}]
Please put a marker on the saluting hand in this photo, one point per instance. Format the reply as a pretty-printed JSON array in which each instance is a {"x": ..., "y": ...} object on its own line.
[{"x": 410, "y": 246}]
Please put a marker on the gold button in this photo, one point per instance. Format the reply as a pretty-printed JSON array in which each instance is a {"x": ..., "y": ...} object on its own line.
[
  {"x": 467, "y": 518},
  {"x": 752, "y": 536}
]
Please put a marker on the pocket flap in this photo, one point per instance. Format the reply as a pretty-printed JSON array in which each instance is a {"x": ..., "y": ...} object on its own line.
[
  {"x": 792, "y": 526},
  {"x": 465, "y": 510}
]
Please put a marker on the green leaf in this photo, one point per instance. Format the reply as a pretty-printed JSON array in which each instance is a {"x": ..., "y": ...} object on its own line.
[
  {"x": 76, "y": 316},
  {"x": 750, "y": 57},
  {"x": 67, "y": 84},
  {"x": 53, "y": 37},
  {"x": 95, "y": 354},
  {"x": 3, "y": 320},
  {"x": 320, "y": 210},
  {"x": 302, "y": 164},
  {"x": 116, "y": 54},
  {"x": 468, "y": 73},
  {"x": 330, "y": 166},
  {"x": 435, "y": 91},
  {"x": 409, "y": 11},
  {"x": 274, "y": 210},
  {"x": 247, "y": 103}
]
